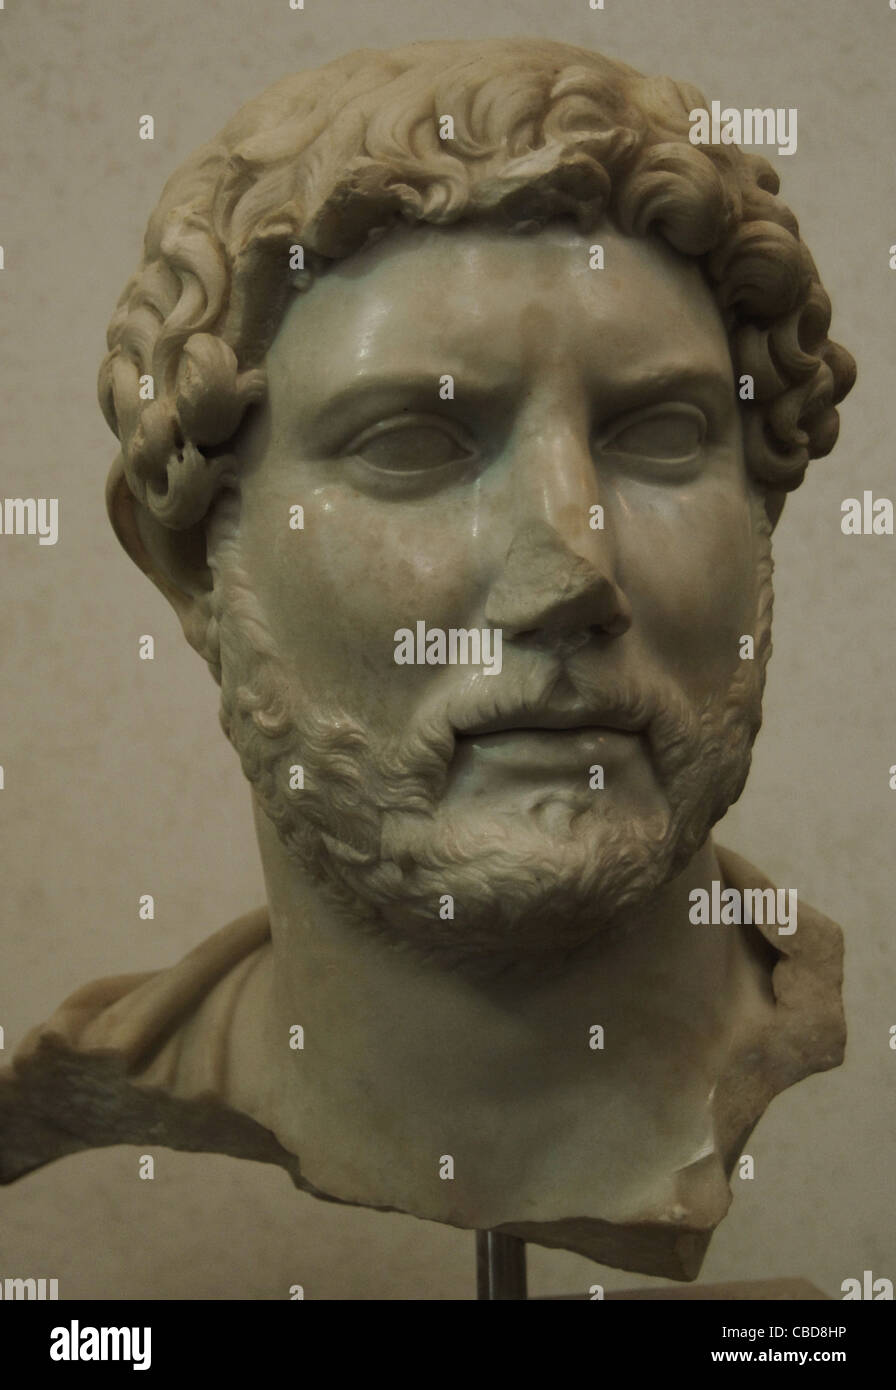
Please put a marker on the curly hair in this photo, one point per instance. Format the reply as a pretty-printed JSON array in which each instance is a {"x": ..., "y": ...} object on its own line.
[{"x": 331, "y": 159}]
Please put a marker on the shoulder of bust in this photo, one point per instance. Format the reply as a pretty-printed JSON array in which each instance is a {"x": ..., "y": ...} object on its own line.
[
  {"x": 84, "y": 1077},
  {"x": 133, "y": 1014}
]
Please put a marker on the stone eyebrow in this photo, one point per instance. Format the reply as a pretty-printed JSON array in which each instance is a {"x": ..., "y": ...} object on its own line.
[
  {"x": 660, "y": 381},
  {"x": 421, "y": 384},
  {"x": 353, "y": 403}
]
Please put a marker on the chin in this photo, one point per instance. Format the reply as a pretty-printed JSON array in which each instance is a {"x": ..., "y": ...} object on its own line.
[{"x": 498, "y": 890}]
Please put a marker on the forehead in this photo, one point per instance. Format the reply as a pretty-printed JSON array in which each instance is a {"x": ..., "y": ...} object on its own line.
[{"x": 495, "y": 305}]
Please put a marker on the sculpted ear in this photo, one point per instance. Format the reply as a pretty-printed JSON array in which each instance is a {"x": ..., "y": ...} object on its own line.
[{"x": 175, "y": 561}]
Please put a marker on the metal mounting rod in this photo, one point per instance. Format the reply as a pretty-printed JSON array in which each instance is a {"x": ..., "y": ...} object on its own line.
[{"x": 500, "y": 1266}]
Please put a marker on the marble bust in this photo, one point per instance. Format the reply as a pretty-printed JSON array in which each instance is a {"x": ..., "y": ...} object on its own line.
[{"x": 458, "y": 395}]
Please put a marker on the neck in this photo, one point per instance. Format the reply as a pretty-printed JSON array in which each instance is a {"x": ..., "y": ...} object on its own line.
[{"x": 406, "y": 1062}]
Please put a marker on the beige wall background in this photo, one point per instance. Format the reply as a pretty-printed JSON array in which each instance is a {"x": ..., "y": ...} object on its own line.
[{"x": 117, "y": 779}]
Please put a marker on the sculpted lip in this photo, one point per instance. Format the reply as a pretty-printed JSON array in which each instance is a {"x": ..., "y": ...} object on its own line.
[
  {"x": 551, "y": 734},
  {"x": 558, "y": 721},
  {"x": 519, "y": 750}
]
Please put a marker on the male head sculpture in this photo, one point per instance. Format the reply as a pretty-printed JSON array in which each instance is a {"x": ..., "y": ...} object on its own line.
[{"x": 396, "y": 326}]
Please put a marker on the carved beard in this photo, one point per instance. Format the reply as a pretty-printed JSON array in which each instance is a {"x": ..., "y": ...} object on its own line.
[{"x": 371, "y": 826}]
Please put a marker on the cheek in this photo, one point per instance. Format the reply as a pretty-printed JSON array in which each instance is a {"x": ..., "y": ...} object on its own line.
[
  {"x": 688, "y": 569},
  {"x": 336, "y": 592}
]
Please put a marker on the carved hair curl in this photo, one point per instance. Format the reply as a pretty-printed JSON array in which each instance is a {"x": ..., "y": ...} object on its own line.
[{"x": 332, "y": 158}]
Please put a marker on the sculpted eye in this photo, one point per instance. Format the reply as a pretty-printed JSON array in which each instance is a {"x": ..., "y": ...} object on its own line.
[
  {"x": 410, "y": 444},
  {"x": 664, "y": 434}
]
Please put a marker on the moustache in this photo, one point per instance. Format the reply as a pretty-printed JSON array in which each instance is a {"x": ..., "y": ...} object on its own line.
[{"x": 547, "y": 692}]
